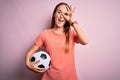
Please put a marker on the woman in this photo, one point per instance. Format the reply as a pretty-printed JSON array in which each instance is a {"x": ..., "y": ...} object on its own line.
[{"x": 59, "y": 42}]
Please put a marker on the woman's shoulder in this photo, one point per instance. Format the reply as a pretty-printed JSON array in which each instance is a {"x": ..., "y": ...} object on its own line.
[{"x": 46, "y": 32}]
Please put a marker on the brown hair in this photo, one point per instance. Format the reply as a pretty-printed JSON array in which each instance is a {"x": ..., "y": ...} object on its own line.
[{"x": 66, "y": 26}]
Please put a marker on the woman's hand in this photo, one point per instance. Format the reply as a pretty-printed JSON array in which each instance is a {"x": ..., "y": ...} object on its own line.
[
  {"x": 68, "y": 16},
  {"x": 32, "y": 66},
  {"x": 80, "y": 33}
]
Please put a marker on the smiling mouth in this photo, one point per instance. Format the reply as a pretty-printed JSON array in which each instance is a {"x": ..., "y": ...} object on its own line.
[{"x": 60, "y": 20}]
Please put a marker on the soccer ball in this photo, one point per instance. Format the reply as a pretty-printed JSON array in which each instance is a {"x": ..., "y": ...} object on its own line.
[{"x": 44, "y": 59}]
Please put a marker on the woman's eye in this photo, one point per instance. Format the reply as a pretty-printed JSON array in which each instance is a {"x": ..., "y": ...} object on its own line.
[
  {"x": 66, "y": 14},
  {"x": 58, "y": 12}
]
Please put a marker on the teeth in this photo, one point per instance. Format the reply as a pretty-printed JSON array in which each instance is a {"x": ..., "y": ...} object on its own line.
[{"x": 60, "y": 20}]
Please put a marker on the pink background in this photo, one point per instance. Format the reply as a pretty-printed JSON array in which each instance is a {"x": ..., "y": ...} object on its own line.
[{"x": 22, "y": 20}]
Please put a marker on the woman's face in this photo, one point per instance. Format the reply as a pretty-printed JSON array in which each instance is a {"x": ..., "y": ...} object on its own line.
[{"x": 59, "y": 19}]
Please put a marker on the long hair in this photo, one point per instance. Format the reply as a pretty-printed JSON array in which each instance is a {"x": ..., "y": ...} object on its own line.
[{"x": 66, "y": 26}]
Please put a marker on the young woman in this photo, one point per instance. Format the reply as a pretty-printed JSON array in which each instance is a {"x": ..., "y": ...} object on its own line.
[{"x": 59, "y": 43}]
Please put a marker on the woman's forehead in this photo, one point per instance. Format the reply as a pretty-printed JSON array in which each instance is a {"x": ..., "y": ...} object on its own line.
[{"x": 62, "y": 8}]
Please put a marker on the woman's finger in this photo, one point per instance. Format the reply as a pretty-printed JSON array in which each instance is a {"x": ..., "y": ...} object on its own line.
[
  {"x": 68, "y": 8},
  {"x": 36, "y": 62},
  {"x": 41, "y": 69},
  {"x": 36, "y": 69},
  {"x": 73, "y": 10},
  {"x": 66, "y": 16}
]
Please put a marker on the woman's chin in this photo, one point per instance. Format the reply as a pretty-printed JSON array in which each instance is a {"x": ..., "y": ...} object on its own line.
[{"x": 59, "y": 25}]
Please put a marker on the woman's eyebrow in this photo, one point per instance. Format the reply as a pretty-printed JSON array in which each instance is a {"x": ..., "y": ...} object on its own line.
[{"x": 61, "y": 11}]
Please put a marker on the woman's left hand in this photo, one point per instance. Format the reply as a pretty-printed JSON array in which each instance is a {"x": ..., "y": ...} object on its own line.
[{"x": 68, "y": 16}]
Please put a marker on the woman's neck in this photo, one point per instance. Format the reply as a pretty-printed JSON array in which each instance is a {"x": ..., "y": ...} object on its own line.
[{"x": 59, "y": 30}]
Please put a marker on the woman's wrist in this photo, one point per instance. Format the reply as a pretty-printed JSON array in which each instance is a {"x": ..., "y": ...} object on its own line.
[{"x": 73, "y": 22}]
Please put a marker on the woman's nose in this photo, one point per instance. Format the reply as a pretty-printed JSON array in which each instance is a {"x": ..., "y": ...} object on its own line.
[{"x": 61, "y": 15}]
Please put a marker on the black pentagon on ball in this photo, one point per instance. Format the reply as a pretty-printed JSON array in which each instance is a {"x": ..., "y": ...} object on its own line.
[
  {"x": 43, "y": 56},
  {"x": 41, "y": 66},
  {"x": 33, "y": 59}
]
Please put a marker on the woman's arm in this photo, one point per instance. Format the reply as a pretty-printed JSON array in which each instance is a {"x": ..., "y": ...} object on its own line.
[
  {"x": 80, "y": 33},
  {"x": 82, "y": 39},
  {"x": 31, "y": 65},
  {"x": 30, "y": 53}
]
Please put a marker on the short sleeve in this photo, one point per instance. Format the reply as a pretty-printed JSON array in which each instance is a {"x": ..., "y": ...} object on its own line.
[{"x": 40, "y": 40}]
